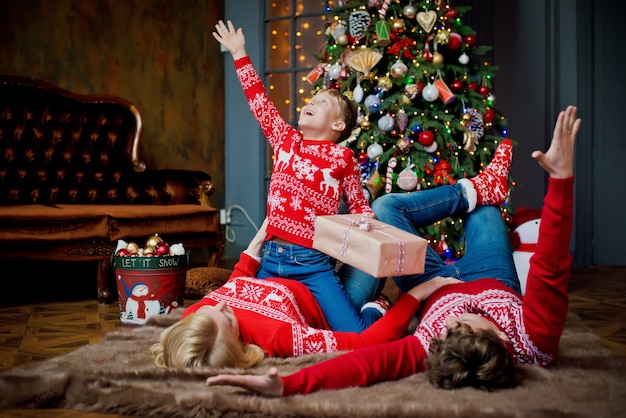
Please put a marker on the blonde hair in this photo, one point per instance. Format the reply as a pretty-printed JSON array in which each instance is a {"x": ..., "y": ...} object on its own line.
[
  {"x": 196, "y": 341},
  {"x": 347, "y": 111}
]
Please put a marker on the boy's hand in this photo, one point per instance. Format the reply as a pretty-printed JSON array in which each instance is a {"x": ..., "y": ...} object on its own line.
[
  {"x": 231, "y": 39},
  {"x": 558, "y": 161},
  {"x": 422, "y": 291}
]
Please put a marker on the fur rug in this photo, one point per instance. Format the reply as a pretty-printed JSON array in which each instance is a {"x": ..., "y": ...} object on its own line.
[{"x": 117, "y": 376}]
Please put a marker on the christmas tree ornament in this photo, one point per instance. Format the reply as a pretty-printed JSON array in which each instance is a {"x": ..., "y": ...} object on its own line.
[
  {"x": 470, "y": 40},
  {"x": 411, "y": 90},
  {"x": 148, "y": 252},
  {"x": 426, "y": 138},
  {"x": 463, "y": 59},
  {"x": 443, "y": 36},
  {"x": 399, "y": 69},
  {"x": 315, "y": 73},
  {"x": 385, "y": 83},
  {"x": 451, "y": 14},
  {"x": 374, "y": 183},
  {"x": 489, "y": 116},
  {"x": 455, "y": 41},
  {"x": 365, "y": 124},
  {"x": 362, "y": 157},
  {"x": 430, "y": 93},
  {"x": 457, "y": 85},
  {"x": 445, "y": 93},
  {"x": 407, "y": 179},
  {"x": 336, "y": 29},
  {"x": 484, "y": 90},
  {"x": 389, "y": 178},
  {"x": 473, "y": 86},
  {"x": 397, "y": 24},
  {"x": 402, "y": 119},
  {"x": 372, "y": 102},
  {"x": 469, "y": 141},
  {"x": 162, "y": 248},
  {"x": 426, "y": 54},
  {"x": 358, "y": 22},
  {"x": 365, "y": 60},
  {"x": 374, "y": 150},
  {"x": 334, "y": 71},
  {"x": 437, "y": 58},
  {"x": 177, "y": 249},
  {"x": 358, "y": 90},
  {"x": 409, "y": 11},
  {"x": 342, "y": 39},
  {"x": 431, "y": 148},
  {"x": 442, "y": 248},
  {"x": 403, "y": 145},
  {"x": 491, "y": 99},
  {"x": 427, "y": 20},
  {"x": 382, "y": 33},
  {"x": 385, "y": 123},
  {"x": 153, "y": 240}
]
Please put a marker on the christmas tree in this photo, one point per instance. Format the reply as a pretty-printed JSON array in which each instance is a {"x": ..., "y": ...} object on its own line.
[{"x": 423, "y": 89}]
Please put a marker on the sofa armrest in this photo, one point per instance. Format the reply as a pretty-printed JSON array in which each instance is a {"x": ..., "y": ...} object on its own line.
[{"x": 171, "y": 187}]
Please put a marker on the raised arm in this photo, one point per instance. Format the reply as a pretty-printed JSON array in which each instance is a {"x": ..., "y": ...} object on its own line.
[{"x": 230, "y": 38}]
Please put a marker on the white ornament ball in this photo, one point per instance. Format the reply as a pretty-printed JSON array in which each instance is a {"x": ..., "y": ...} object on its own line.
[
  {"x": 372, "y": 101},
  {"x": 374, "y": 150},
  {"x": 463, "y": 59},
  {"x": 177, "y": 249},
  {"x": 385, "y": 123},
  {"x": 407, "y": 179},
  {"x": 409, "y": 11},
  {"x": 399, "y": 69},
  {"x": 430, "y": 93},
  {"x": 334, "y": 71},
  {"x": 431, "y": 148}
]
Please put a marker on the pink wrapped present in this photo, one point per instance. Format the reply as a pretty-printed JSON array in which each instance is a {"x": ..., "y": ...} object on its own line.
[{"x": 370, "y": 245}]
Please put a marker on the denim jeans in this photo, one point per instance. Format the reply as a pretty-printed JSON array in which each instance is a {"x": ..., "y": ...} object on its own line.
[
  {"x": 317, "y": 272},
  {"x": 488, "y": 251}
]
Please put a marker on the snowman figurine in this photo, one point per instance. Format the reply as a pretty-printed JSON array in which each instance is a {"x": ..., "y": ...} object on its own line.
[{"x": 524, "y": 236}]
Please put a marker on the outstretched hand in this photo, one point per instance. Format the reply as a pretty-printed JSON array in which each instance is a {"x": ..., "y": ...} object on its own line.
[
  {"x": 268, "y": 384},
  {"x": 422, "y": 291},
  {"x": 558, "y": 161},
  {"x": 230, "y": 38}
]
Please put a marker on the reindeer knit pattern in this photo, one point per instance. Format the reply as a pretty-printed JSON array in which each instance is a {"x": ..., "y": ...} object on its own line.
[{"x": 309, "y": 176}]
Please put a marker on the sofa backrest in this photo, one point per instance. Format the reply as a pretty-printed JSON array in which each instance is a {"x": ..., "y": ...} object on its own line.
[{"x": 61, "y": 147}]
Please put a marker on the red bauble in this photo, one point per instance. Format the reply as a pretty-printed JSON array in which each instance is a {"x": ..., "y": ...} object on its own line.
[
  {"x": 457, "y": 86},
  {"x": 451, "y": 14},
  {"x": 473, "y": 86},
  {"x": 123, "y": 252},
  {"x": 455, "y": 41},
  {"x": 489, "y": 116},
  {"x": 426, "y": 138},
  {"x": 484, "y": 90},
  {"x": 470, "y": 40},
  {"x": 162, "y": 248},
  {"x": 362, "y": 158}
]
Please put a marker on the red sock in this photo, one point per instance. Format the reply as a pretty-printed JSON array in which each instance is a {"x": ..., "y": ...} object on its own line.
[{"x": 492, "y": 184}]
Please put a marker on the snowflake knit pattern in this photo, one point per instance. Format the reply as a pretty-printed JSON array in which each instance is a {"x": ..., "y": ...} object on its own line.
[
  {"x": 492, "y": 184},
  {"x": 309, "y": 176}
]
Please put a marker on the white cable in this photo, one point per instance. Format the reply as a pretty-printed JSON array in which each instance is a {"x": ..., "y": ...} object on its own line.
[{"x": 229, "y": 232}]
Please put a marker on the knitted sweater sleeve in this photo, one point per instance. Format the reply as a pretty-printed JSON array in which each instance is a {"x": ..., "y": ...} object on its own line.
[
  {"x": 353, "y": 188},
  {"x": 546, "y": 301},
  {"x": 274, "y": 127},
  {"x": 390, "y": 327},
  {"x": 362, "y": 367}
]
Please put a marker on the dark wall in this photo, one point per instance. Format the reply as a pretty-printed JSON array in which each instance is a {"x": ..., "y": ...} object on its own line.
[{"x": 158, "y": 54}]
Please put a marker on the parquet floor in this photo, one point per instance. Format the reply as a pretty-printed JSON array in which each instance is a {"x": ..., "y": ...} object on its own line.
[{"x": 63, "y": 314}]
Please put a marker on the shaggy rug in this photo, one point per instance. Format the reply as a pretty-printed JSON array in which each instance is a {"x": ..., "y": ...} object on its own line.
[{"x": 117, "y": 376}]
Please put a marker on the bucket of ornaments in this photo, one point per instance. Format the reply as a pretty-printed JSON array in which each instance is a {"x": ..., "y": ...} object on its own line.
[{"x": 150, "y": 279}]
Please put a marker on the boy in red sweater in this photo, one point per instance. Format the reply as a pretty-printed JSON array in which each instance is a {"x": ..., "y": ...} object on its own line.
[
  {"x": 470, "y": 334},
  {"x": 311, "y": 173}
]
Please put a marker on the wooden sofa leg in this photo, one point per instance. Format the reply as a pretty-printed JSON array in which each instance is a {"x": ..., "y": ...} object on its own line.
[{"x": 103, "y": 275}]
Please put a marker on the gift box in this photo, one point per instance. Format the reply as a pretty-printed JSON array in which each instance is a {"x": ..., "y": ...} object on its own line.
[{"x": 370, "y": 245}]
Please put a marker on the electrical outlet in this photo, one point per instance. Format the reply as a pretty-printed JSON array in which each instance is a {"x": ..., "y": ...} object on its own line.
[{"x": 224, "y": 217}]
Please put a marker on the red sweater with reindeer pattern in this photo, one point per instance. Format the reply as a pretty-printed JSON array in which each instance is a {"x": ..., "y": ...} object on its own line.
[{"x": 309, "y": 176}]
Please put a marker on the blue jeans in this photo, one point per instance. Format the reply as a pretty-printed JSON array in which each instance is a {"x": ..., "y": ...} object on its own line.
[
  {"x": 488, "y": 251},
  {"x": 317, "y": 272}
]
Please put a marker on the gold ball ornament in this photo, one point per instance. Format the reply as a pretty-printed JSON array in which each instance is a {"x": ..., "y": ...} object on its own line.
[
  {"x": 342, "y": 39},
  {"x": 153, "y": 240},
  {"x": 132, "y": 247},
  {"x": 403, "y": 145},
  {"x": 397, "y": 24},
  {"x": 437, "y": 58},
  {"x": 385, "y": 83},
  {"x": 405, "y": 100},
  {"x": 366, "y": 124}
]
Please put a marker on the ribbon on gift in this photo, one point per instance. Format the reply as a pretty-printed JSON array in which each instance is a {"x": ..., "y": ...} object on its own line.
[{"x": 364, "y": 224}]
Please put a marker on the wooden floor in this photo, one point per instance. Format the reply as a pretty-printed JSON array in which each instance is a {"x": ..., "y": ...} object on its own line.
[{"x": 59, "y": 319}]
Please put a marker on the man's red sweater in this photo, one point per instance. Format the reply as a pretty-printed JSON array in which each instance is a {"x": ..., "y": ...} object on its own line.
[
  {"x": 533, "y": 324},
  {"x": 309, "y": 176}
]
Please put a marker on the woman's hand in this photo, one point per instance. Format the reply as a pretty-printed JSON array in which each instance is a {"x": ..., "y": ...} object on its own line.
[
  {"x": 268, "y": 384},
  {"x": 423, "y": 290},
  {"x": 231, "y": 39}
]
